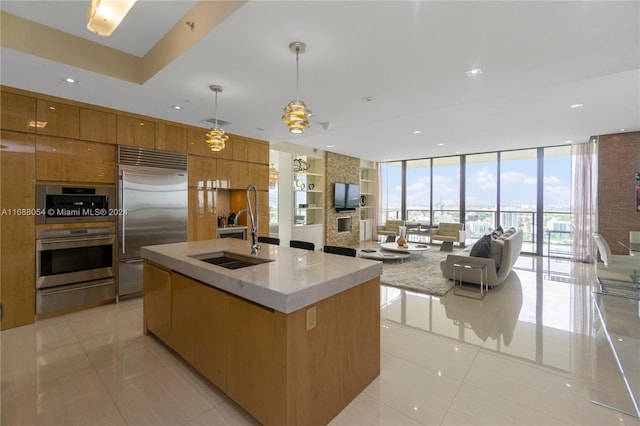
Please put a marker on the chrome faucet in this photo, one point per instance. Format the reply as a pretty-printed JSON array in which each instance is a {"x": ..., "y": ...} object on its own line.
[{"x": 254, "y": 218}]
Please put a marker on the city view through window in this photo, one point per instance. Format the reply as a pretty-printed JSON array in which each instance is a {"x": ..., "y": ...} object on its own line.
[{"x": 511, "y": 188}]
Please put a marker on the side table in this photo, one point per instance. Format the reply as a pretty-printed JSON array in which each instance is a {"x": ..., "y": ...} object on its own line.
[{"x": 458, "y": 290}]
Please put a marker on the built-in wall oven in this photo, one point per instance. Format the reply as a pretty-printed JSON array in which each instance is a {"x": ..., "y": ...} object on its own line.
[
  {"x": 74, "y": 267},
  {"x": 75, "y": 204}
]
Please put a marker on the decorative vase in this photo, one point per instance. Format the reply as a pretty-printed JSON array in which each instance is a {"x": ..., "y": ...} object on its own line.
[{"x": 402, "y": 240}]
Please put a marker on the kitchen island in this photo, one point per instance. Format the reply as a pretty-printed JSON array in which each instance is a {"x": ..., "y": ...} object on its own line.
[{"x": 292, "y": 339}]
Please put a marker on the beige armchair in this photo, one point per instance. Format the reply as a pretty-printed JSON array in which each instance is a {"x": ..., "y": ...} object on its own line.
[
  {"x": 448, "y": 233},
  {"x": 390, "y": 229}
]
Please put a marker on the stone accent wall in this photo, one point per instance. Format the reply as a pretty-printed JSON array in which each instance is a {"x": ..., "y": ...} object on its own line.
[
  {"x": 340, "y": 168},
  {"x": 618, "y": 162}
]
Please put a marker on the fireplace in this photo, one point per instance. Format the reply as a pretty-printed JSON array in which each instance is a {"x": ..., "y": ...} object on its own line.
[{"x": 344, "y": 225}]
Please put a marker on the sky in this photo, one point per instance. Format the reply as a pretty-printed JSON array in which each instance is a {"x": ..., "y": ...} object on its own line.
[{"x": 518, "y": 184}]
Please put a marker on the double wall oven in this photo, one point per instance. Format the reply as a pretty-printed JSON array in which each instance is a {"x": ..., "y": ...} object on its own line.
[{"x": 75, "y": 266}]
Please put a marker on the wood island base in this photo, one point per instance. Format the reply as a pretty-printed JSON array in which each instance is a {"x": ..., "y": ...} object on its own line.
[{"x": 300, "y": 368}]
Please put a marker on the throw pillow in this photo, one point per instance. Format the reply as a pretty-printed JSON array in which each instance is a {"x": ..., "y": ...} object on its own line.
[
  {"x": 497, "y": 232},
  {"x": 482, "y": 247},
  {"x": 509, "y": 232}
]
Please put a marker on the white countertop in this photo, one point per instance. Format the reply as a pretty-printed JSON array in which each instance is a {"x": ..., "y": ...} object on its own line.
[{"x": 295, "y": 279}]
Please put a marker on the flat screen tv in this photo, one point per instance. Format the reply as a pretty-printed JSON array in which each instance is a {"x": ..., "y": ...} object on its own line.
[
  {"x": 346, "y": 196},
  {"x": 353, "y": 196}
]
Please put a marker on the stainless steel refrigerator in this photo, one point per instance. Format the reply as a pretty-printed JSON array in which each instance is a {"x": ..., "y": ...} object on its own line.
[{"x": 152, "y": 199}]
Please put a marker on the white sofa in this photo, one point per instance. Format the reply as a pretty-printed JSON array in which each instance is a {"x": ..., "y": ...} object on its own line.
[{"x": 510, "y": 246}]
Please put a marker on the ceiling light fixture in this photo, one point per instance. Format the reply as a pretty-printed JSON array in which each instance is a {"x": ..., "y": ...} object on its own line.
[
  {"x": 576, "y": 106},
  {"x": 176, "y": 107},
  {"x": 70, "y": 80},
  {"x": 296, "y": 114},
  {"x": 104, "y": 16},
  {"x": 417, "y": 132},
  {"x": 216, "y": 138},
  {"x": 474, "y": 72}
]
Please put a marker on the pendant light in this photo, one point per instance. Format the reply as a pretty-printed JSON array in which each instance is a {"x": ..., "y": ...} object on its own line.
[
  {"x": 216, "y": 138},
  {"x": 296, "y": 114}
]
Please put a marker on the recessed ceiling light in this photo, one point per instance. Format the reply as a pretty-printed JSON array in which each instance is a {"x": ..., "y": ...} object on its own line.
[
  {"x": 441, "y": 144},
  {"x": 368, "y": 98},
  {"x": 70, "y": 80},
  {"x": 622, "y": 130},
  {"x": 474, "y": 72},
  {"x": 576, "y": 106},
  {"x": 176, "y": 107},
  {"x": 331, "y": 146},
  {"x": 417, "y": 132},
  {"x": 568, "y": 141}
]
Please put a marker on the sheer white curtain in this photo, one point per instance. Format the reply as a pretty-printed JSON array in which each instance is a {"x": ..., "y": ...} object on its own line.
[{"x": 584, "y": 198}]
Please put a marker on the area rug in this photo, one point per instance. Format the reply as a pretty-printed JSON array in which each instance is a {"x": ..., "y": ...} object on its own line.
[{"x": 420, "y": 273}]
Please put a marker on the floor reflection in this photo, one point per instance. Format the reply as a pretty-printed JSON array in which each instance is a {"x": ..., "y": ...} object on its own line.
[{"x": 541, "y": 314}]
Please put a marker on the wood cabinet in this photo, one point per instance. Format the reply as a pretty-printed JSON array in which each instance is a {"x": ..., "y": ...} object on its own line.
[
  {"x": 258, "y": 152},
  {"x": 97, "y": 126},
  {"x": 136, "y": 132},
  {"x": 61, "y": 119},
  {"x": 211, "y": 328},
  {"x": 157, "y": 301},
  {"x": 18, "y": 112},
  {"x": 183, "y": 316},
  {"x": 253, "y": 351},
  {"x": 67, "y": 160},
  {"x": 202, "y": 223},
  {"x": 239, "y": 146},
  {"x": 203, "y": 171},
  {"x": 17, "y": 227},
  {"x": 171, "y": 138}
]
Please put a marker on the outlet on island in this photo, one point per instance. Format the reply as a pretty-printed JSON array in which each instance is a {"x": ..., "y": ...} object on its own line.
[{"x": 311, "y": 318}]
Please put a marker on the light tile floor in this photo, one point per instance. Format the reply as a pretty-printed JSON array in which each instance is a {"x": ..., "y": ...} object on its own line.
[{"x": 523, "y": 355}]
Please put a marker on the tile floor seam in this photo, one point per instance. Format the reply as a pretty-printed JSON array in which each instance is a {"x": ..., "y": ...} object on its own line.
[{"x": 104, "y": 385}]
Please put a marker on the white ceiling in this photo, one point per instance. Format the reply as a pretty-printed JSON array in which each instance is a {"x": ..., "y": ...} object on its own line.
[{"x": 538, "y": 58}]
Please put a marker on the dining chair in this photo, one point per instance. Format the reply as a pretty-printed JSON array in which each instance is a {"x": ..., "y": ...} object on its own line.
[
  {"x": 302, "y": 245},
  {"x": 269, "y": 240},
  {"x": 613, "y": 261},
  {"x": 344, "y": 251}
]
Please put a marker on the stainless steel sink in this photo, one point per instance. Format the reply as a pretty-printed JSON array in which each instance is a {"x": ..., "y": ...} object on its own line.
[{"x": 230, "y": 260}]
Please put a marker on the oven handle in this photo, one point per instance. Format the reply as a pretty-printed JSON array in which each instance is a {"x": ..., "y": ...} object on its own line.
[
  {"x": 101, "y": 284},
  {"x": 74, "y": 240}
]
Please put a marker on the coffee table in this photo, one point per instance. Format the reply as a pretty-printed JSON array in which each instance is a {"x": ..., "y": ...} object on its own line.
[
  {"x": 409, "y": 248},
  {"x": 383, "y": 255}
]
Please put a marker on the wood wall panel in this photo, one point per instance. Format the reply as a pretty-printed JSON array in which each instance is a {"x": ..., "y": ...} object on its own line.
[
  {"x": 18, "y": 112},
  {"x": 67, "y": 160},
  {"x": 97, "y": 126},
  {"x": 136, "y": 132},
  {"x": 17, "y": 231},
  {"x": 171, "y": 138},
  {"x": 61, "y": 119}
]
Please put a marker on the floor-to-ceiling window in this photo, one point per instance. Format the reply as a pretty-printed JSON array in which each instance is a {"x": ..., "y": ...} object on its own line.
[
  {"x": 418, "y": 192},
  {"x": 527, "y": 189},
  {"x": 558, "y": 233},
  {"x": 519, "y": 194},
  {"x": 390, "y": 191},
  {"x": 481, "y": 196},
  {"x": 446, "y": 189}
]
